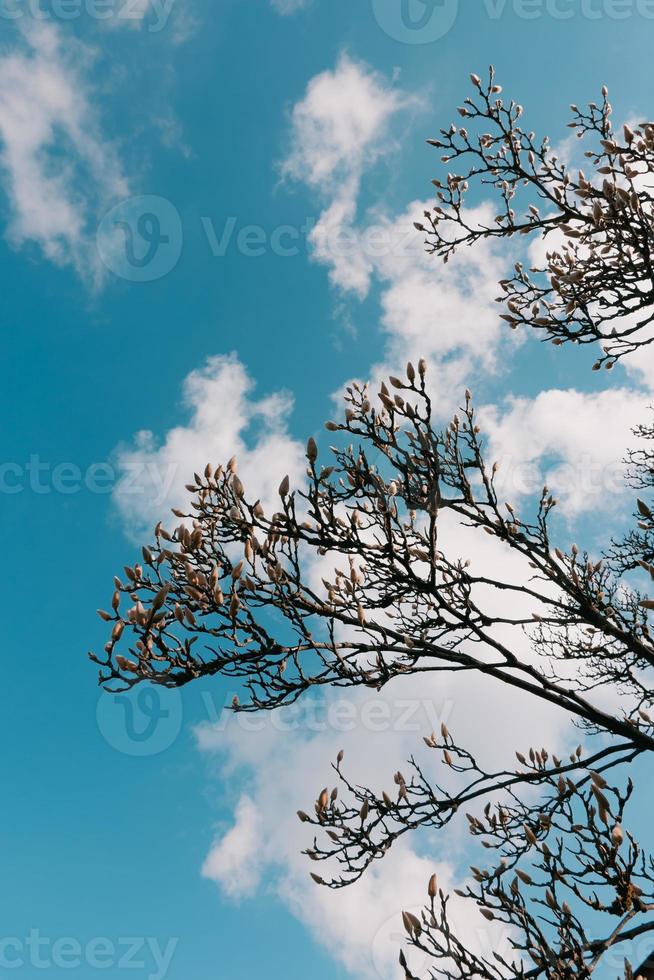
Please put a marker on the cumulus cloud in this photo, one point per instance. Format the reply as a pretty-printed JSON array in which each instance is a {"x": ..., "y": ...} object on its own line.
[
  {"x": 58, "y": 171},
  {"x": 340, "y": 129},
  {"x": 572, "y": 441},
  {"x": 277, "y": 763},
  {"x": 446, "y": 313},
  {"x": 284, "y": 766},
  {"x": 341, "y": 124},
  {"x": 225, "y": 420}
]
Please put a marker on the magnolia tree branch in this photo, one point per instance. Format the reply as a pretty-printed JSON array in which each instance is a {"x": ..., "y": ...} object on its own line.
[
  {"x": 553, "y": 870},
  {"x": 360, "y": 576},
  {"x": 597, "y": 283},
  {"x": 390, "y": 602}
]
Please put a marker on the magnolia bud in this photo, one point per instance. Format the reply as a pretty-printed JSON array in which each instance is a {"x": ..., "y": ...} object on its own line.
[{"x": 312, "y": 450}]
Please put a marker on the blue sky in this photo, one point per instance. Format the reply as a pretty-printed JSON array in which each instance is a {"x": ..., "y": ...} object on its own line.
[{"x": 247, "y": 122}]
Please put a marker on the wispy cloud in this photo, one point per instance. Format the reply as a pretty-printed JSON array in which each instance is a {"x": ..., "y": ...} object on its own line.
[{"x": 57, "y": 169}]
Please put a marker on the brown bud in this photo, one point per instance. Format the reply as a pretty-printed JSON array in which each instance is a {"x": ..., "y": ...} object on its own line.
[
  {"x": 312, "y": 450},
  {"x": 411, "y": 924}
]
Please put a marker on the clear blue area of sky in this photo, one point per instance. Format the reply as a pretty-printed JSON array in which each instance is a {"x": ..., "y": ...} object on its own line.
[{"x": 94, "y": 842}]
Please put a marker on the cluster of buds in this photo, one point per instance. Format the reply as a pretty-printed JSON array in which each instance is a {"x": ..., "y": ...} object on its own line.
[{"x": 597, "y": 284}]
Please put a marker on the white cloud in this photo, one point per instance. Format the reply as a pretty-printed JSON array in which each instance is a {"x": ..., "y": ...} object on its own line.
[
  {"x": 573, "y": 441},
  {"x": 445, "y": 313},
  {"x": 284, "y": 766},
  {"x": 341, "y": 124},
  {"x": 279, "y": 762},
  {"x": 340, "y": 129},
  {"x": 234, "y": 860},
  {"x": 224, "y": 421},
  {"x": 275, "y": 763},
  {"x": 58, "y": 172}
]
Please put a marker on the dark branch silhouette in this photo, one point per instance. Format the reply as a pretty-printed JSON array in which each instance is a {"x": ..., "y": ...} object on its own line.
[
  {"x": 231, "y": 590},
  {"x": 598, "y": 282}
]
